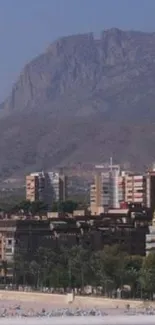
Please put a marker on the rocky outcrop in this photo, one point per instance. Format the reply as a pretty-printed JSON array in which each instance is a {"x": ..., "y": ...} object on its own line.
[{"x": 83, "y": 99}]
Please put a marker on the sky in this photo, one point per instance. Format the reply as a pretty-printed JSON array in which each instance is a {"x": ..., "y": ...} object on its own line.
[{"x": 27, "y": 27}]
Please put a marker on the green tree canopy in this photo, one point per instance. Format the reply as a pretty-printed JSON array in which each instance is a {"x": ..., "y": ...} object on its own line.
[
  {"x": 64, "y": 207},
  {"x": 76, "y": 267},
  {"x": 148, "y": 274}
]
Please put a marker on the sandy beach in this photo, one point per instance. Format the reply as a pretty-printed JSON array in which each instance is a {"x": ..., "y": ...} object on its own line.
[
  {"x": 31, "y": 303},
  {"x": 58, "y": 300}
]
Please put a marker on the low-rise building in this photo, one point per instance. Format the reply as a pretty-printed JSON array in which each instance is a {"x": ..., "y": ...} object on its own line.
[{"x": 84, "y": 212}]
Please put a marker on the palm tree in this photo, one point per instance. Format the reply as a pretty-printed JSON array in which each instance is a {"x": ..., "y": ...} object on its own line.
[
  {"x": 132, "y": 277},
  {"x": 35, "y": 272},
  {"x": 5, "y": 269}
]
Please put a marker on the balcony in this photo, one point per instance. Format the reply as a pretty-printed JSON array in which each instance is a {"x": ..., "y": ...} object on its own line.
[
  {"x": 150, "y": 238},
  {"x": 150, "y": 246}
]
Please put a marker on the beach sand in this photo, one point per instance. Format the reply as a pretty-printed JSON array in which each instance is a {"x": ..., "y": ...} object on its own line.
[{"x": 29, "y": 302}]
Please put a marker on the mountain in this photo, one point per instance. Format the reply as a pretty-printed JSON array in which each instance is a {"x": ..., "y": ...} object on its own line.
[{"x": 82, "y": 100}]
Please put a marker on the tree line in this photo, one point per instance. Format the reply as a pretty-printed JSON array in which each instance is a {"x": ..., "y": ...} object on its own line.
[
  {"x": 26, "y": 207},
  {"x": 110, "y": 269}
]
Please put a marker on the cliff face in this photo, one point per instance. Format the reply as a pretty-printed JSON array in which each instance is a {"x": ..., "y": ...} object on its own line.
[{"x": 82, "y": 100}]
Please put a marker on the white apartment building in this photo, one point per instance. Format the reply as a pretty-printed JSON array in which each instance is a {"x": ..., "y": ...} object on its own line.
[
  {"x": 56, "y": 185},
  {"x": 46, "y": 186},
  {"x": 107, "y": 190}
]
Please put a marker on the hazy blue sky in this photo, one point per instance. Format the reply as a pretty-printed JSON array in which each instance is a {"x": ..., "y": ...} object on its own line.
[{"x": 28, "y": 26}]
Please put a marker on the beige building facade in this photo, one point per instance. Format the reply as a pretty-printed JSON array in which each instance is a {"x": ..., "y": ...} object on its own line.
[
  {"x": 135, "y": 189},
  {"x": 32, "y": 188}
]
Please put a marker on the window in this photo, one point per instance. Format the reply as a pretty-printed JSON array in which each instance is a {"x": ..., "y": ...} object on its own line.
[{"x": 8, "y": 250}]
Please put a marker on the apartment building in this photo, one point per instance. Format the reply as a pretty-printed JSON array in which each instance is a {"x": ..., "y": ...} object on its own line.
[
  {"x": 2, "y": 247},
  {"x": 112, "y": 188},
  {"x": 135, "y": 188},
  {"x": 56, "y": 186},
  {"x": 31, "y": 188},
  {"x": 150, "y": 238},
  {"x": 150, "y": 189},
  {"x": 35, "y": 187},
  {"x": 46, "y": 186},
  {"x": 121, "y": 188},
  {"x": 107, "y": 190},
  {"x": 7, "y": 245},
  {"x": 96, "y": 193},
  {"x": 140, "y": 189}
]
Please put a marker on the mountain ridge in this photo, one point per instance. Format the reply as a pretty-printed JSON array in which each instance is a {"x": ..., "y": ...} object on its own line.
[{"x": 81, "y": 100}]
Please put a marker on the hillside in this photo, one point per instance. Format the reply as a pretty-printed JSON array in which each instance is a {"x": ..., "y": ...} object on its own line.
[{"x": 82, "y": 100}]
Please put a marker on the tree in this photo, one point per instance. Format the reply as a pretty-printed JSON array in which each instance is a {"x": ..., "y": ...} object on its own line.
[
  {"x": 77, "y": 267},
  {"x": 5, "y": 269},
  {"x": 24, "y": 207},
  {"x": 65, "y": 207},
  {"x": 45, "y": 259},
  {"x": 133, "y": 265},
  {"x": 35, "y": 272},
  {"x": 113, "y": 260},
  {"x": 79, "y": 264},
  {"x": 69, "y": 206},
  {"x": 29, "y": 208},
  {"x": 148, "y": 274},
  {"x": 97, "y": 269},
  {"x": 55, "y": 207},
  {"x": 21, "y": 269},
  {"x": 105, "y": 267},
  {"x": 38, "y": 208}
]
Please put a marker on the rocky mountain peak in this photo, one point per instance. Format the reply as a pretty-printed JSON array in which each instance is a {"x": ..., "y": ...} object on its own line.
[{"x": 82, "y": 98}]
